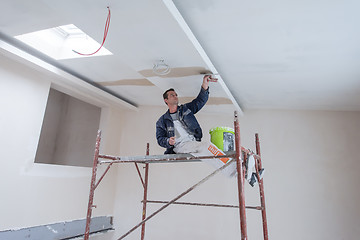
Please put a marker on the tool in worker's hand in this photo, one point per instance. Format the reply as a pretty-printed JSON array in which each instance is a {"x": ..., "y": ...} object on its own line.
[{"x": 212, "y": 79}]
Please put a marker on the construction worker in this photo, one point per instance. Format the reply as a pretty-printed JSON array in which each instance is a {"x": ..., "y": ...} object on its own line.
[
  {"x": 179, "y": 131},
  {"x": 179, "y": 125}
]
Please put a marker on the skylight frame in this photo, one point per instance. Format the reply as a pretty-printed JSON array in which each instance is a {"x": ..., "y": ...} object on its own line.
[{"x": 59, "y": 42}]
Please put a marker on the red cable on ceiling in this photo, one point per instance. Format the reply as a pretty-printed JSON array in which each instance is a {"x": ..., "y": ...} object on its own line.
[{"x": 107, "y": 24}]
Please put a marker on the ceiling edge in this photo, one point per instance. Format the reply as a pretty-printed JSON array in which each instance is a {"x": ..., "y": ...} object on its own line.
[{"x": 178, "y": 17}]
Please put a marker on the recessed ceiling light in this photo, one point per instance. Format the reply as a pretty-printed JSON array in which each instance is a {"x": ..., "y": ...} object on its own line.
[
  {"x": 161, "y": 68},
  {"x": 59, "y": 42}
]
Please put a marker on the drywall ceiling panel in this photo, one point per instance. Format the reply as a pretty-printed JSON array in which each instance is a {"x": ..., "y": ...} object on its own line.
[
  {"x": 187, "y": 86},
  {"x": 140, "y": 33},
  {"x": 148, "y": 95},
  {"x": 282, "y": 54}
]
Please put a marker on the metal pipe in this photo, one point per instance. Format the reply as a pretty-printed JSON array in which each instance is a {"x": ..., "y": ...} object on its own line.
[
  {"x": 169, "y": 157},
  {"x": 159, "y": 158},
  {"x": 138, "y": 171},
  {"x": 178, "y": 197},
  {"x": 103, "y": 175},
  {"x": 206, "y": 204},
  {"x": 240, "y": 178},
  {"x": 145, "y": 194},
  {"x": 261, "y": 188},
  {"x": 92, "y": 186}
]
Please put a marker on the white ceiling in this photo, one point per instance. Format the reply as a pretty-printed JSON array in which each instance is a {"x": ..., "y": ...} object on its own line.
[{"x": 269, "y": 54}]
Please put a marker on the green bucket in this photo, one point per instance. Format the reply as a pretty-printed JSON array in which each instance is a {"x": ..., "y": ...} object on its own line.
[{"x": 223, "y": 138}]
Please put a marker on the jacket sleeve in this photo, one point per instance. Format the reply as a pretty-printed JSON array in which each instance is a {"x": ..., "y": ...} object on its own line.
[
  {"x": 161, "y": 135},
  {"x": 199, "y": 102}
]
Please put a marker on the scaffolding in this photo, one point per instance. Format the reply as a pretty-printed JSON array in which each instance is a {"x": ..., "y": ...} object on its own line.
[{"x": 239, "y": 154}]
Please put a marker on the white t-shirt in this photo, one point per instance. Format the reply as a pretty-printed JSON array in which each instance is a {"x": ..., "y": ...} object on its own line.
[{"x": 181, "y": 135}]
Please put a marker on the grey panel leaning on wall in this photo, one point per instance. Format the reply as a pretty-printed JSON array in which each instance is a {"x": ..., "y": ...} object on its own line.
[
  {"x": 63, "y": 230},
  {"x": 68, "y": 132}
]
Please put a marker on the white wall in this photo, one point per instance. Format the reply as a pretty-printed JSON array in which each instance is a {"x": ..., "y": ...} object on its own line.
[
  {"x": 312, "y": 172},
  {"x": 311, "y": 160},
  {"x": 37, "y": 194}
]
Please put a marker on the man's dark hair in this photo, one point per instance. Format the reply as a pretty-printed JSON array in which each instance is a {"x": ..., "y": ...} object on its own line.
[{"x": 165, "y": 95}]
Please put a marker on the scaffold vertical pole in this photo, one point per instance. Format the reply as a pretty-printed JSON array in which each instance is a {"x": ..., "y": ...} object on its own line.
[
  {"x": 240, "y": 178},
  {"x": 92, "y": 186},
  {"x": 145, "y": 193},
  {"x": 261, "y": 188}
]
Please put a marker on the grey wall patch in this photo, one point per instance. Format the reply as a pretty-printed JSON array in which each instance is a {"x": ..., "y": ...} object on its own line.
[
  {"x": 176, "y": 72},
  {"x": 211, "y": 101},
  {"x": 63, "y": 230},
  {"x": 128, "y": 82}
]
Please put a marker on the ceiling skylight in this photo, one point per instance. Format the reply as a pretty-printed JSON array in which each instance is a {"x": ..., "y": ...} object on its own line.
[{"x": 59, "y": 42}]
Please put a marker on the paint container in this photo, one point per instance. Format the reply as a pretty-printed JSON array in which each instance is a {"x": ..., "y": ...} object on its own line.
[{"x": 223, "y": 138}]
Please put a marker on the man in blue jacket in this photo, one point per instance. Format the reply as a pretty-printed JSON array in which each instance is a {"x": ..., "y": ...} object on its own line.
[
  {"x": 179, "y": 132},
  {"x": 178, "y": 127}
]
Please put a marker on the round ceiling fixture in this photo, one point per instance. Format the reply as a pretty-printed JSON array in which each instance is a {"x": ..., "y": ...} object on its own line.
[{"x": 161, "y": 68}]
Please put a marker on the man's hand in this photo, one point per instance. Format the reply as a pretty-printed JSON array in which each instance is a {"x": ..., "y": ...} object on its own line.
[
  {"x": 206, "y": 80},
  {"x": 172, "y": 141}
]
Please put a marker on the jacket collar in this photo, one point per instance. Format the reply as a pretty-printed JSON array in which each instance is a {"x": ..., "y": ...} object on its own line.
[{"x": 167, "y": 114}]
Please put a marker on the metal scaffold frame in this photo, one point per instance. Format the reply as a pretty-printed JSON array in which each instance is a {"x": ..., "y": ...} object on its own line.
[{"x": 239, "y": 154}]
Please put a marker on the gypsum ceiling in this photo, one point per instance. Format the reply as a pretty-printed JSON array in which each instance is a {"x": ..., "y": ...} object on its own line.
[{"x": 270, "y": 55}]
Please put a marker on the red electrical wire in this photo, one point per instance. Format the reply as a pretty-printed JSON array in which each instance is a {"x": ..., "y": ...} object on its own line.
[{"x": 107, "y": 24}]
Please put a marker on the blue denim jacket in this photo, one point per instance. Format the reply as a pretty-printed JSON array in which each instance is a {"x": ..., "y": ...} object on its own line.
[{"x": 165, "y": 126}]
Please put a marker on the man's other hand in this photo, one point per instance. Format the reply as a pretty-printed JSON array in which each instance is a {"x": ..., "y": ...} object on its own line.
[{"x": 172, "y": 141}]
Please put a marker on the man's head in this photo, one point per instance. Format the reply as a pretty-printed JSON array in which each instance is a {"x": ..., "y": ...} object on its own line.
[{"x": 170, "y": 97}]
